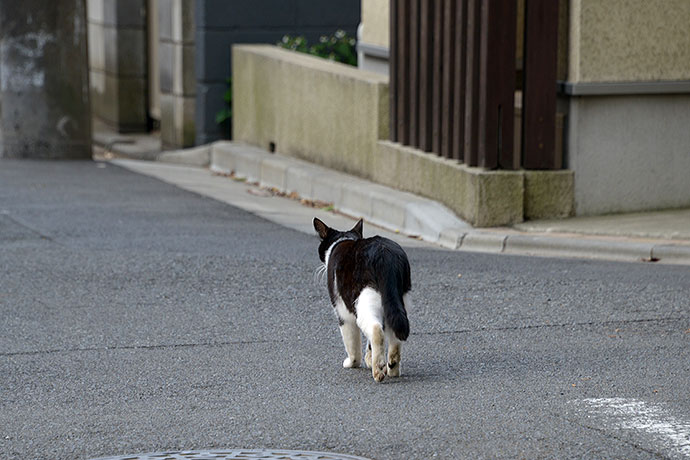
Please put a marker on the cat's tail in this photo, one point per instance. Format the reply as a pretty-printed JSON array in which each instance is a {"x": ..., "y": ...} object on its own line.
[{"x": 395, "y": 315}]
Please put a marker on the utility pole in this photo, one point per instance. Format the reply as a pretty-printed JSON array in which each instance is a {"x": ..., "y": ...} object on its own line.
[{"x": 44, "y": 80}]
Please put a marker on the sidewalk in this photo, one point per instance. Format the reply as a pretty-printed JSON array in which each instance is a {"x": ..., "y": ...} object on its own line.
[{"x": 660, "y": 236}]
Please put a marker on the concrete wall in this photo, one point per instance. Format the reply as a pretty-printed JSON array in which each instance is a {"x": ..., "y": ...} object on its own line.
[
  {"x": 630, "y": 153},
  {"x": 337, "y": 116},
  {"x": 44, "y": 91},
  {"x": 375, "y": 22},
  {"x": 118, "y": 63},
  {"x": 176, "y": 56},
  {"x": 222, "y": 23},
  {"x": 628, "y": 138},
  {"x": 307, "y": 107},
  {"x": 629, "y": 40}
]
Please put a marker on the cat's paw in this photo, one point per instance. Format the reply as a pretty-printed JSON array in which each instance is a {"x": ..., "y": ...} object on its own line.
[
  {"x": 367, "y": 358},
  {"x": 350, "y": 363},
  {"x": 379, "y": 372},
  {"x": 393, "y": 369}
]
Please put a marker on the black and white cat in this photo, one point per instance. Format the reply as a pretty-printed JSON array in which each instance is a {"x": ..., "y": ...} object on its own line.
[{"x": 368, "y": 282}]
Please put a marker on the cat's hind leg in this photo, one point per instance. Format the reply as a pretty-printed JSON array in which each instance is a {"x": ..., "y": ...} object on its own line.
[
  {"x": 367, "y": 356},
  {"x": 352, "y": 339},
  {"x": 370, "y": 321},
  {"x": 394, "y": 356}
]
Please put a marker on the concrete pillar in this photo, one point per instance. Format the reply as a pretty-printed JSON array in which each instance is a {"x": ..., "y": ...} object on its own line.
[
  {"x": 44, "y": 86},
  {"x": 177, "y": 77},
  {"x": 118, "y": 63}
]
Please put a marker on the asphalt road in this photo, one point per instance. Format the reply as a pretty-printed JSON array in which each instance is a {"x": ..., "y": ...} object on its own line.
[{"x": 137, "y": 317}]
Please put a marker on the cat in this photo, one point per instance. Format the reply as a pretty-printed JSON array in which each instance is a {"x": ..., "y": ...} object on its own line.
[{"x": 368, "y": 283}]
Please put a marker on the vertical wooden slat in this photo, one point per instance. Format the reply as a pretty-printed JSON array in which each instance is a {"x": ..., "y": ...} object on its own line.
[
  {"x": 539, "y": 95},
  {"x": 459, "y": 44},
  {"x": 447, "y": 78},
  {"x": 472, "y": 81},
  {"x": 393, "y": 70},
  {"x": 497, "y": 84},
  {"x": 402, "y": 86},
  {"x": 414, "y": 72},
  {"x": 426, "y": 15},
  {"x": 436, "y": 99}
]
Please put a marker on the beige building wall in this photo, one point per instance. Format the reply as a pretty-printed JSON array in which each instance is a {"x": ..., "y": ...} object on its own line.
[
  {"x": 375, "y": 22},
  {"x": 629, "y": 40}
]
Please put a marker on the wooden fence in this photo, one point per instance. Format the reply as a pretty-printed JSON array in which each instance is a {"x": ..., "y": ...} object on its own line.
[{"x": 453, "y": 80}]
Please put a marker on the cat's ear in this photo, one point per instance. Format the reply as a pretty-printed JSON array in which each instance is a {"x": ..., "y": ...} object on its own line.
[
  {"x": 358, "y": 228},
  {"x": 321, "y": 228}
]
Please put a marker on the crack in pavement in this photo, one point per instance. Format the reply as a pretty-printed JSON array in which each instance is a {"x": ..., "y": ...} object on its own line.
[
  {"x": 138, "y": 347},
  {"x": 546, "y": 326},
  {"x": 253, "y": 342},
  {"x": 27, "y": 226}
]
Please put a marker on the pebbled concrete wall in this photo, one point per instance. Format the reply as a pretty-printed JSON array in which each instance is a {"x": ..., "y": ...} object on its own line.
[
  {"x": 44, "y": 89},
  {"x": 629, "y": 40},
  {"x": 307, "y": 107}
]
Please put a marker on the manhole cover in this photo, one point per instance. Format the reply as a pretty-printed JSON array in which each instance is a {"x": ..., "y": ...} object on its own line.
[{"x": 238, "y": 454}]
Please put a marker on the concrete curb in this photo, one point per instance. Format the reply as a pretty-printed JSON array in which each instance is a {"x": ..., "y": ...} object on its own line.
[
  {"x": 409, "y": 214},
  {"x": 391, "y": 209},
  {"x": 195, "y": 156}
]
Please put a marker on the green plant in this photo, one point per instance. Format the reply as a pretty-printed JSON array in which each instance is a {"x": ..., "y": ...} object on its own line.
[
  {"x": 226, "y": 112},
  {"x": 339, "y": 47}
]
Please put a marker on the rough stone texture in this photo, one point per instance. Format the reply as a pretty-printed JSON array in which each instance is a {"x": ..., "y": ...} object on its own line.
[
  {"x": 483, "y": 198},
  {"x": 309, "y": 108},
  {"x": 44, "y": 80},
  {"x": 629, "y": 153},
  {"x": 222, "y": 23},
  {"x": 549, "y": 194},
  {"x": 629, "y": 40},
  {"x": 117, "y": 63}
]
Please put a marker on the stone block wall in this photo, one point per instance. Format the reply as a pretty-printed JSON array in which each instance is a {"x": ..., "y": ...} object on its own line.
[
  {"x": 176, "y": 51},
  {"x": 222, "y": 23},
  {"x": 118, "y": 63}
]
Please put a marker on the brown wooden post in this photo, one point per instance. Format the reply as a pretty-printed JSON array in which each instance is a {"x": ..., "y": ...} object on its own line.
[
  {"x": 539, "y": 94},
  {"x": 472, "y": 81},
  {"x": 426, "y": 63},
  {"x": 413, "y": 84},
  {"x": 447, "y": 77},
  {"x": 437, "y": 96},
  {"x": 393, "y": 70},
  {"x": 460, "y": 41},
  {"x": 402, "y": 84},
  {"x": 497, "y": 84}
]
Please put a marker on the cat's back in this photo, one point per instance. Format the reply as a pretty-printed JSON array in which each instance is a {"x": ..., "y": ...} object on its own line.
[
  {"x": 385, "y": 258},
  {"x": 378, "y": 247}
]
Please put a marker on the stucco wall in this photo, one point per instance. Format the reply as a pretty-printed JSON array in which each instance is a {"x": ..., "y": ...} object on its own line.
[
  {"x": 375, "y": 26},
  {"x": 307, "y": 107},
  {"x": 630, "y": 153},
  {"x": 629, "y": 40}
]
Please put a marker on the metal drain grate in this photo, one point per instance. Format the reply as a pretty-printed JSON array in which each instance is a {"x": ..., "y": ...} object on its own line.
[{"x": 236, "y": 454}]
